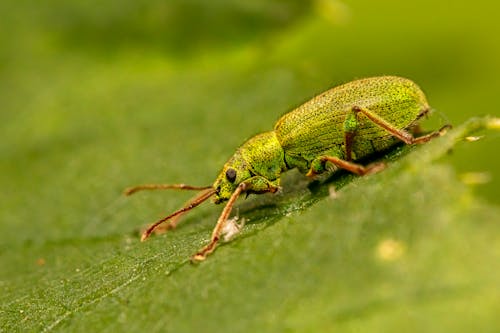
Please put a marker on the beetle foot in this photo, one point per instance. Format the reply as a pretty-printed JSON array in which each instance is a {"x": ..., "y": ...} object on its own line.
[
  {"x": 198, "y": 258},
  {"x": 204, "y": 252},
  {"x": 161, "y": 229}
]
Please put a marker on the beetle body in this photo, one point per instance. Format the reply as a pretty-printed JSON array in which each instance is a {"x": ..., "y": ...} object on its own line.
[
  {"x": 341, "y": 126},
  {"x": 318, "y": 127}
]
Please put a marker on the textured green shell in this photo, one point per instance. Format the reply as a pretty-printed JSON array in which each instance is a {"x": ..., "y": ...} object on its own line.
[{"x": 316, "y": 127}]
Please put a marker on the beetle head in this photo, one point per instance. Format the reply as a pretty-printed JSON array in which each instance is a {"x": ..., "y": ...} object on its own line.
[{"x": 233, "y": 173}]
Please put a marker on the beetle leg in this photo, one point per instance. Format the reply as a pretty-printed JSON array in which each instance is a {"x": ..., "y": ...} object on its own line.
[
  {"x": 350, "y": 127},
  {"x": 255, "y": 184},
  {"x": 221, "y": 222},
  {"x": 317, "y": 166},
  {"x": 424, "y": 138},
  {"x": 402, "y": 135}
]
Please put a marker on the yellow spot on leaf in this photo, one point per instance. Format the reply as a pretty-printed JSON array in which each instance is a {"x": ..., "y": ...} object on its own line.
[
  {"x": 390, "y": 250},
  {"x": 494, "y": 123},
  {"x": 475, "y": 178},
  {"x": 473, "y": 138}
]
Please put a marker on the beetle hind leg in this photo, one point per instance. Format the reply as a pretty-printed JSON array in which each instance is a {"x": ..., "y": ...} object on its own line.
[
  {"x": 350, "y": 127},
  {"x": 401, "y": 134}
]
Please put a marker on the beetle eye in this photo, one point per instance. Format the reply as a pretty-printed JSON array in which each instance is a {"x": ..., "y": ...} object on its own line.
[{"x": 231, "y": 175}]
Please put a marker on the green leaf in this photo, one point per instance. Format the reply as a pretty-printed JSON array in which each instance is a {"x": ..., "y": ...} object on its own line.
[
  {"x": 406, "y": 249},
  {"x": 95, "y": 97}
]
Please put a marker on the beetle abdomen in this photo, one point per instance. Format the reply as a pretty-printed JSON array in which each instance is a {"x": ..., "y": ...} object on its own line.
[{"x": 316, "y": 127}]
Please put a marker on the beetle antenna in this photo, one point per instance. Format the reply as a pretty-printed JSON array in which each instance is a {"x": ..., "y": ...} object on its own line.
[
  {"x": 208, "y": 192},
  {"x": 132, "y": 190}
]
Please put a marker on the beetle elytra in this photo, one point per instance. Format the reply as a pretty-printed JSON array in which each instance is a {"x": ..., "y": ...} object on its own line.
[{"x": 338, "y": 127}]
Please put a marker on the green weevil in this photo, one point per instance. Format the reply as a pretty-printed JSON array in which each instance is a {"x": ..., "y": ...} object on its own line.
[{"x": 334, "y": 129}]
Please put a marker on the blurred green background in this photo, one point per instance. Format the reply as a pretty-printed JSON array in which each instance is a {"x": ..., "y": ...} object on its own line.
[{"x": 99, "y": 95}]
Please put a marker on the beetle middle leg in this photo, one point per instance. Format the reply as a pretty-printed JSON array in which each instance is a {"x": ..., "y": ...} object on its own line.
[{"x": 318, "y": 166}]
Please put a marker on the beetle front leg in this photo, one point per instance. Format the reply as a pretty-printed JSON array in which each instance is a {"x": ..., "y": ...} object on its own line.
[
  {"x": 221, "y": 222},
  {"x": 255, "y": 184}
]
